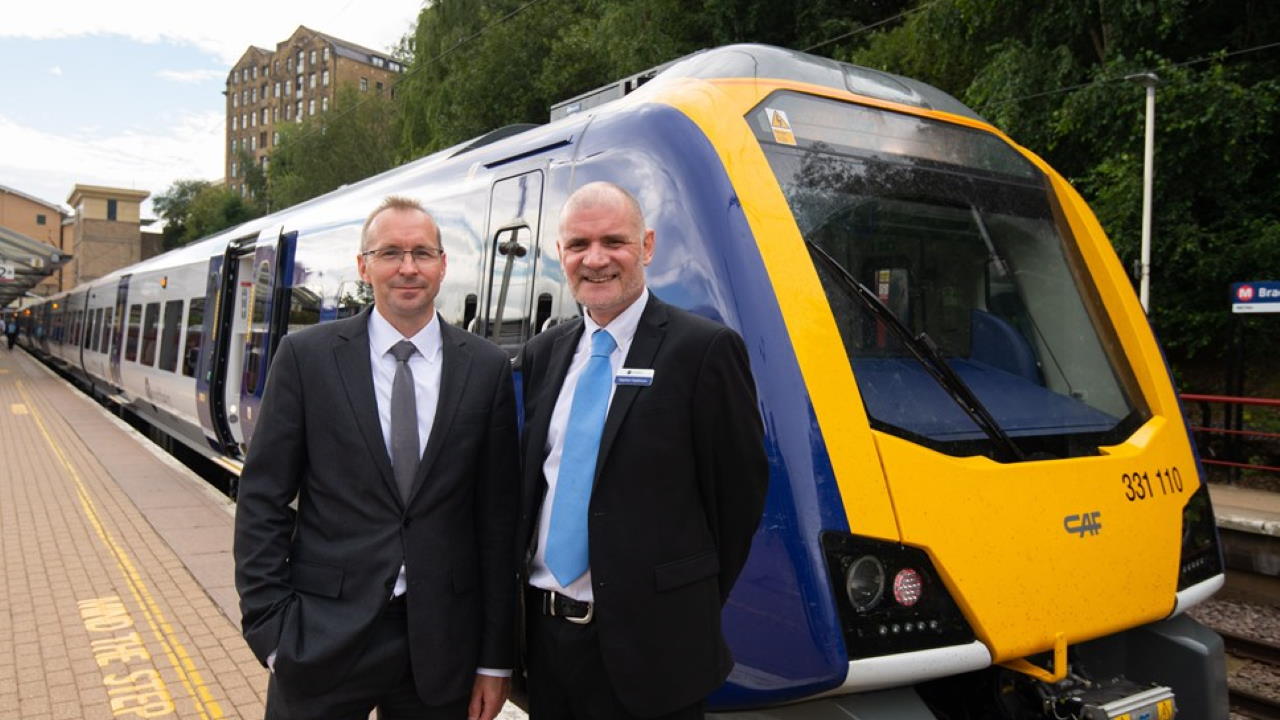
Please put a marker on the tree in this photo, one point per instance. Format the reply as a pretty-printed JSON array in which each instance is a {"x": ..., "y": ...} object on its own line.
[
  {"x": 353, "y": 141},
  {"x": 173, "y": 205}
]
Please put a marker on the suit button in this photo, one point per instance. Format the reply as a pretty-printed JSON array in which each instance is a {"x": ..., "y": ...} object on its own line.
[
  {"x": 407, "y": 522},
  {"x": 597, "y": 513}
]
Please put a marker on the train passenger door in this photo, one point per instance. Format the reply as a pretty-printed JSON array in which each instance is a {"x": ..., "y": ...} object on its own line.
[
  {"x": 271, "y": 272},
  {"x": 213, "y": 367},
  {"x": 515, "y": 306}
]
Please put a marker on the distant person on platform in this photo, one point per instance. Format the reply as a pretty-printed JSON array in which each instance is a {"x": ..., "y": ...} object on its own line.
[
  {"x": 644, "y": 481},
  {"x": 392, "y": 585},
  {"x": 11, "y": 331}
]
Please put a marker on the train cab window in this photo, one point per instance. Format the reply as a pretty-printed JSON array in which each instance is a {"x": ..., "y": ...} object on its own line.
[
  {"x": 150, "y": 324},
  {"x": 195, "y": 334},
  {"x": 963, "y": 240},
  {"x": 135, "y": 324},
  {"x": 170, "y": 337}
]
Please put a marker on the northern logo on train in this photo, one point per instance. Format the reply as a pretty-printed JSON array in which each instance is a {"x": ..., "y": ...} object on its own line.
[{"x": 1083, "y": 524}]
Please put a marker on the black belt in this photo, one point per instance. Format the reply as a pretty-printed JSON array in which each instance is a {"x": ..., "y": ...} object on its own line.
[{"x": 553, "y": 604}]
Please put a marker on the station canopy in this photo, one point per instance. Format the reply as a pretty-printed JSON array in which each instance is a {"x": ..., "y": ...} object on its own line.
[{"x": 24, "y": 262}]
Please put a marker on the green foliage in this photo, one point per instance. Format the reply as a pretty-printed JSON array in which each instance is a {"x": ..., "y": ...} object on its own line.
[
  {"x": 193, "y": 209},
  {"x": 352, "y": 141},
  {"x": 215, "y": 208},
  {"x": 173, "y": 205}
]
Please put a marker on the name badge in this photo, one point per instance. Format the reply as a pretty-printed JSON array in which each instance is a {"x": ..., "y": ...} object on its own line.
[{"x": 634, "y": 376}]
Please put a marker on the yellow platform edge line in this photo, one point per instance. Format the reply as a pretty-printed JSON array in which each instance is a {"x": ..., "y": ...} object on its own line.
[{"x": 190, "y": 677}]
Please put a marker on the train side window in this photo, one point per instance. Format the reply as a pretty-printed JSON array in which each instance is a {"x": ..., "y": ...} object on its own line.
[
  {"x": 150, "y": 323},
  {"x": 169, "y": 337},
  {"x": 95, "y": 339},
  {"x": 304, "y": 307},
  {"x": 195, "y": 334},
  {"x": 74, "y": 338},
  {"x": 86, "y": 341},
  {"x": 131, "y": 343},
  {"x": 105, "y": 346},
  {"x": 353, "y": 296}
]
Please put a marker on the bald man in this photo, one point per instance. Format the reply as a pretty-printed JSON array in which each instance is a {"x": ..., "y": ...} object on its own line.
[{"x": 644, "y": 480}]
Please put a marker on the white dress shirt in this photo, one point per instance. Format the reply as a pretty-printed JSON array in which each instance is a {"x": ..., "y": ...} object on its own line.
[{"x": 623, "y": 330}]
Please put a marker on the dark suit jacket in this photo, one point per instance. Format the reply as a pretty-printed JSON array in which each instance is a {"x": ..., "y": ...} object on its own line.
[
  {"x": 679, "y": 490},
  {"x": 312, "y": 582}
]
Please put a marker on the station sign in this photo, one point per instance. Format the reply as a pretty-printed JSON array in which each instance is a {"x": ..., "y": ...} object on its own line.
[
  {"x": 8, "y": 272},
  {"x": 1261, "y": 296}
]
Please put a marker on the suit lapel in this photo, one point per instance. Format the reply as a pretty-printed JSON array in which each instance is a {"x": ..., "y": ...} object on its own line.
[
  {"x": 455, "y": 368},
  {"x": 644, "y": 347},
  {"x": 351, "y": 354}
]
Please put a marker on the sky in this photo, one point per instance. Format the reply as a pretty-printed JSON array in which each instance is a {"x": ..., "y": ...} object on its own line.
[{"x": 129, "y": 94}]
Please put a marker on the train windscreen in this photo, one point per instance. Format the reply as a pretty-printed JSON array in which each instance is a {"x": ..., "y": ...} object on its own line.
[{"x": 960, "y": 237}]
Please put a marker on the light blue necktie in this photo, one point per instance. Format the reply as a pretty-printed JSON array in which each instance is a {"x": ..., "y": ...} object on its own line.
[{"x": 567, "y": 537}]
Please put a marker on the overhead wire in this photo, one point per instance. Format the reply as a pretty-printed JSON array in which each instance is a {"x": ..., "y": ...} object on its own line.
[{"x": 872, "y": 26}]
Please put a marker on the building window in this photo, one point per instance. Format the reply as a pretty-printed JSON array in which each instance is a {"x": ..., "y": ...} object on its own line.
[
  {"x": 324, "y": 104},
  {"x": 275, "y": 137},
  {"x": 111, "y": 209},
  {"x": 235, "y": 122},
  {"x": 364, "y": 84},
  {"x": 255, "y": 72},
  {"x": 324, "y": 78},
  {"x": 326, "y": 54},
  {"x": 378, "y": 88},
  {"x": 235, "y": 100},
  {"x": 313, "y": 81},
  {"x": 379, "y": 62},
  {"x": 253, "y": 95},
  {"x": 311, "y": 106},
  {"x": 299, "y": 85},
  {"x": 277, "y": 89},
  {"x": 253, "y": 143},
  {"x": 253, "y": 119},
  {"x": 288, "y": 112},
  {"x": 289, "y": 64},
  {"x": 312, "y": 57},
  {"x": 298, "y": 64},
  {"x": 41, "y": 219},
  {"x": 262, "y": 139},
  {"x": 233, "y": 169},
  {"x": 264, "y": 116},
  {"x": 288, "y": 88},
  {"x": 233, "y": 146},
  {"x": 299, "y": 110},
  {"x": 263, "y": 161}
]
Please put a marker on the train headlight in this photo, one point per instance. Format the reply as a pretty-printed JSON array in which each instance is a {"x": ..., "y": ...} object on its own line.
[
  {"x": 907, "y": 587},
  {"x": 921, "y": 614},
  {"x": 864, "y": 583}
]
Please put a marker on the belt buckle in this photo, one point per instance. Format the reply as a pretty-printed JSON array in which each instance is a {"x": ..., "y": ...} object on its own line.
[{"x": 551, "y": 610}]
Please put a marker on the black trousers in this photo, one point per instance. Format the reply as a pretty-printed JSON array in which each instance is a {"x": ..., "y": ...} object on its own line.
[
  {"x": 567, "y": 679},
  {"x": 382, "y": 679}
]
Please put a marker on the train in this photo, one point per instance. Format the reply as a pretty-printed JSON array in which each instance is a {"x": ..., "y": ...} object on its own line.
[{"x": 983, "y": 500}]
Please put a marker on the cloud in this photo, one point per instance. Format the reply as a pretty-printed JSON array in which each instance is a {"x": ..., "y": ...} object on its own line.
[
  {"x": 191, "y": 76},
  {"x": 56, "y": 71},
  {"x": 49, "y": 165},
  {"x": 220, "y": 28}
]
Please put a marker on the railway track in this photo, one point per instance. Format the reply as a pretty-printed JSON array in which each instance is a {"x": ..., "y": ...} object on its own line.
[{"x": 1242, "y": 700}]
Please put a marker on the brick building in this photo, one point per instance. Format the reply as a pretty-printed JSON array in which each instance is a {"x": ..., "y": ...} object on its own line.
[
  {"x": 297, "y": 80},
  {"x": 104, "y": 233},
  {"x": 35, "y": 219}
]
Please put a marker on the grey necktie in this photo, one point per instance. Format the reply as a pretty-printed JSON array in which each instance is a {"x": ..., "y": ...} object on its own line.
[{"x": 404, "y": 420}]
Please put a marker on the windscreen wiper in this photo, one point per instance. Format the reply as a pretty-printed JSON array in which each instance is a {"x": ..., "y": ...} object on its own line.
[{"x": 926, "y": 352}]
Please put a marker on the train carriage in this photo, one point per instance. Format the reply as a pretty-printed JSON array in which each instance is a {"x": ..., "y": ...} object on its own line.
[{"x": 983, "y": 498}]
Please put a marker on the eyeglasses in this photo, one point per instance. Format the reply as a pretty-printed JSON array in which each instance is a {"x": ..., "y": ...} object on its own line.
[{"x": 395, "y": 256}]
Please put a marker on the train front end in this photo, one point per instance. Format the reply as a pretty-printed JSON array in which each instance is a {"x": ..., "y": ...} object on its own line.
[{"x": 1009, "y": 517}]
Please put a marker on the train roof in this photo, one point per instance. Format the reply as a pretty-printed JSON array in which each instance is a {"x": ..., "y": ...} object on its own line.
[{"x": 492, "y": 148}]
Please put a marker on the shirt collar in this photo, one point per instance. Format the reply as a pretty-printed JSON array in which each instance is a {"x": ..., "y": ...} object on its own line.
[
  {"x": 382, "y": 336},
  {"x": 622, "y": 327}
]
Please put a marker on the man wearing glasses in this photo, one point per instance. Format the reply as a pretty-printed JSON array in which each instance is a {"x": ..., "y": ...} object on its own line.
[{"x": 392, "y": 583}]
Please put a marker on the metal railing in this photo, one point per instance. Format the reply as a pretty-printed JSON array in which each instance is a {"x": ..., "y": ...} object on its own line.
[{"x": 1240, "y": 446}]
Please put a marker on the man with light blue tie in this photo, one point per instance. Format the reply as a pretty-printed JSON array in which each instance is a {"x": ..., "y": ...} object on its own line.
[{"x": 644, "y": 480}]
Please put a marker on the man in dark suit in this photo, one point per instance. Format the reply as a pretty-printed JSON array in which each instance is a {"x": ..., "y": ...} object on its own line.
[
  {"x": 392, "y": 583},
  {"x": 644, "y": 480}
]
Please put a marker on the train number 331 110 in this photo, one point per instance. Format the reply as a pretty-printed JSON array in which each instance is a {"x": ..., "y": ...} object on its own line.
[{"x": 1139, "y": 485}]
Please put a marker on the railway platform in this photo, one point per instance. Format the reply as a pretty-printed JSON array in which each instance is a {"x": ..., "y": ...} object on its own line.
[
  {"x": 117, "y": 597},
  {"x": 1246, "y": 510}
]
